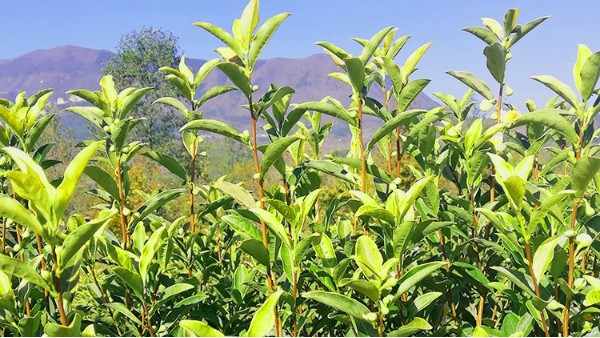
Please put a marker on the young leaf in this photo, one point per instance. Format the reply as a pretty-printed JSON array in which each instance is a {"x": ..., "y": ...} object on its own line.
[
  {"x": 15, "y": 267},
  {"x": 263, "y": 35},
  {"x": 195, "y": 328},
  {"x": 76, "y": 240},
  {"x": 263, "y": 319},
  {"x": 416, "y": 325},
  {"x": 240, "y": 194},
  {"x": 12, "y": 209},
  {"x": 132, "y": 279},
  {"x": 339, "y": 302},
  {"x": 416, "y": 274},
  {"x": 496, "y": 61},
  {"x": 356, "y": 73},
  {"x": 474, "y": 83},
  {"x": 274, "y": 224},
  {"x": 543, "y": 256},
  {"x": 256, "y": 249},
  {"x": 584, "y": 170},
  {"x": 549, "y": 118},
  {"x": 150, "y": 248},
  {"x": 222, "y": 35},
  {"x": 372, "y": 45},
  {"x": 558, "y": 87},
  {"x": 391, "y": 125},
  {"x": 237, "y": 75},
  {"x": 589, "y": 75},
  {"x": 168, "y": 162},
  {"x": 214, "y": 126},
  {"x": 274, "y": 152},
  {"x": 71, "y": 177}
]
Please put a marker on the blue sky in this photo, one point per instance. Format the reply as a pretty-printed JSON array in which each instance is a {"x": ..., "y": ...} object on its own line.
[{"x": 549, "y": 49}]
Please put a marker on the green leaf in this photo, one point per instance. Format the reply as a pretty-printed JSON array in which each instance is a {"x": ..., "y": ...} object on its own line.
[
  {"x": 274, "y": 152},
  {"x": 264, "y": 318},
  {"x": 416, "y": 325},
  {"x": 494, "y": 26},
  {"x": 549, "y": 118},
  {"x": 56, "y": 330},
  {"x": 584, "y": 170},
  {"x": 263, "y": 35},
  {"x": 365, "y": 287},
  {"x": 592, "y": 298},
  {"x": 589, "y": 75},
  {"x": 417, "y": 274},
  {"x": 510, "y": 19},
  {"x": 222, "y": 35},
  {"x": 131, "y": 100},
  {"x": 121, "y": 308},
  {"x": 240, "y": 194},
  {"x": 274, "y": 224},
  {"x": 339, "y": 302},
  {"x": 71, "y": 177},
  {"x": 583, "y": 53},
  {"x": 204, "y": 70},
  {"x": 356, "y": 74},
  {"x": 325, "y": 251},
  {"x": 412, "y": 60},
  {"x": 256, "y": 249},
  {"x": 169, "y": 163},
  {"x": 12, "y": 209},
  {"x": 526, "y": 28},
  {"x": 331, "y": 110},
  {"x": 543, "y": 256},
  {"x": 76, "y": 240},
  {"x": 12, "y": 120},
  {"x": 237, "y": 75},
  {"x": 173, "y": 102},
  {"x": 151, "y": 247},
  {"x": 214, "y": 92},
  {"x": 367, "y": 250},
  {"x": 496, "y": 61},
  {"x": 372, "y": 45},
  {"x": 558, "y": 87},
  {"x": 104, "y": 180},
  {"x": 473, "y": 82},
  {"x": 516, "y": 278},
  {"x": 156, "y": 202},
  {"x": 132, "y": 279},
  {"x": 391, "y": 125},
  {"x": 484, "y": 34},
  {"x": 23, "y": 270},
  {"x": 249, "y": 20},
  {"x": 216, "y": 127},
  {"x": 409, "y": 93},
  {"x": 196, "y": 328}
]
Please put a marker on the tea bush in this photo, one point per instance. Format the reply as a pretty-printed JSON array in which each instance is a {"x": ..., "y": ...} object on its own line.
[{"x": 439, "y": 224}]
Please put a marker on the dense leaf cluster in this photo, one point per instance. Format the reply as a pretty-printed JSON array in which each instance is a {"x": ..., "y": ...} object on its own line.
[{"x": 497, "y": 235}]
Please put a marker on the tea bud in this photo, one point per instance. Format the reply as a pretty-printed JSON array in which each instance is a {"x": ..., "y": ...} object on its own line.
[
  {"x": 508, "y": 56},
  {"x": 509, "y": 91},
  {"x": 583, "y": 240},
  {"x": 125, "y": 150},
  {"x": 371, "y": 316},
  {"x": 106, "y": 129},
  {"x": 203, "y": 154},
  {"x": 126, "y": 212},
  {"x": 68, "y": 296},
  {"x": 579, "y": 284},
  {"x": 554, "y": 305},
  {"x": 589, "y": 211},
  {"x": 17, "y": 247},
  {"x": 530, "y": 105},
  {"x": 46, "y": 275},
  {"x": 254, "y": 88},
  {"x": 384, "y": 309},
  {"x": 256, "y": 176},
  {"x": 486, "y": 105},
  {"x": 112, "y": 148},
  {"x": 570, "y": 233}
]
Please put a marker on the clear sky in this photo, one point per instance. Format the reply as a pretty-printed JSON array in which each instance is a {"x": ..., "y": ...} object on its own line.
[{"x": 550, "y": 49}]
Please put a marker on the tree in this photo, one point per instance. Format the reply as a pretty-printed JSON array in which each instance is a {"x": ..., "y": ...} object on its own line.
[{"x": 139, "y": 56}]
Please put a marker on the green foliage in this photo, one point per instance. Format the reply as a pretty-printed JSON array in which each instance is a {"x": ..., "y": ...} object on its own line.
[{"x": 443, "y": 223}]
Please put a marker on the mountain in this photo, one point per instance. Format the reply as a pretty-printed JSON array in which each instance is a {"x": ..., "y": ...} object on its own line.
[{"x": 70, "y": 67}]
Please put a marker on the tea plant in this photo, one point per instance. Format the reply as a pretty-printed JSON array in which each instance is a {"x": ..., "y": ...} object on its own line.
[{"x": 489, "y": 228}]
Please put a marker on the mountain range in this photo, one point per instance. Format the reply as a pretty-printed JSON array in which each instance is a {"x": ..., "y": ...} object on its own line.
[{"x": 71, "y": 67}]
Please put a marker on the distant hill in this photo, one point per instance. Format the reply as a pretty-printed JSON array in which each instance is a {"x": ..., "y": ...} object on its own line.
[{"x": 70, "y": 67}]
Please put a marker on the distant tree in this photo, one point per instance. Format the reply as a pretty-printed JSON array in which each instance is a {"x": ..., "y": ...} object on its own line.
[{"x": 140, "y": 54}]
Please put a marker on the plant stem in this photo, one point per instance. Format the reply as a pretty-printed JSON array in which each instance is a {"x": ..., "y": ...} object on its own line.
[
  {"x": 4, "y": 236},
  {"x": 398, "y": 153},
  {"x": 536, "y": 286},
  {"x": 442, "y": 244},
  {"x": 191, "y": 186},
  {"x": 295, "y": 295},
  {"x": 122, "y": 217},
  {"x": 59, "y": 299},
  {"x": 104, "y": 297},
  {"x": 363, "y": 155},
  {"x": 263, "y": 225},
  {"x": 380, "y": 326}
]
